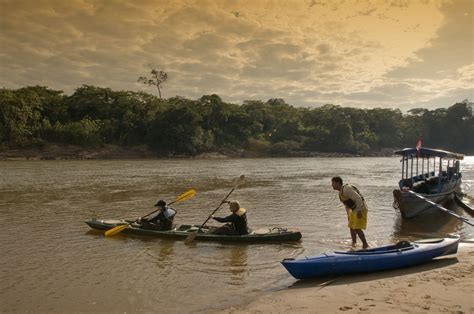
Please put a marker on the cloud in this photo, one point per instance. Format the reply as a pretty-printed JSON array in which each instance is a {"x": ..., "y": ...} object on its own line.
[{"x": 358, "y": 53}]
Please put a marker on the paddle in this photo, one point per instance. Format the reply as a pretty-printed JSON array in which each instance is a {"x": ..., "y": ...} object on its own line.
[
  {"x": 180, "y": 198},
  {"x": 190, "y": 238},
  {"x": 447, "y": 211}
]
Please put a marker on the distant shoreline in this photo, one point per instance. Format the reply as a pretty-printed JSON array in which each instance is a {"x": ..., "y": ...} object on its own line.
[{"x": 71, "y": 152}]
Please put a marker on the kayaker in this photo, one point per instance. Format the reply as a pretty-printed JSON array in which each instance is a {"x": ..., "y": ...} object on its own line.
[
  {"x": 162, "y": 221},
  {"x": 356, "y": 209},
  {"x": 236, "y": 223}
]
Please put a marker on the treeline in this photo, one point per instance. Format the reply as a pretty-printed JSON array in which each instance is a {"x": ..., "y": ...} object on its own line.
[{"x": 93, "y": 116}]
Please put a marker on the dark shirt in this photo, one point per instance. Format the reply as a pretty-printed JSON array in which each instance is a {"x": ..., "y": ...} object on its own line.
[{"x": 238, "y": 222}]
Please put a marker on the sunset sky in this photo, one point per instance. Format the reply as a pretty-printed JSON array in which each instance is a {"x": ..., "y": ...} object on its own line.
[{"x": 387, "y": 53}]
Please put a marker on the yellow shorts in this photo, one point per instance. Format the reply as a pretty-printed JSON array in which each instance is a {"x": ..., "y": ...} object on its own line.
[{"x": 357, "y": 223}]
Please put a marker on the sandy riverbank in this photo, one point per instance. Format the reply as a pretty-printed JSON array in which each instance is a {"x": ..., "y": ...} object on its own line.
[{"x": 445, "y": 285}]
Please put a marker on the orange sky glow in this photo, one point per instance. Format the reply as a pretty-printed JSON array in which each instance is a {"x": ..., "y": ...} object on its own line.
[{"x": 392, "y": 54}]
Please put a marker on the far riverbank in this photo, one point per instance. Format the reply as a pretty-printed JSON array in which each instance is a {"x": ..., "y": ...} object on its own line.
[{"x": 72, "y": 152}]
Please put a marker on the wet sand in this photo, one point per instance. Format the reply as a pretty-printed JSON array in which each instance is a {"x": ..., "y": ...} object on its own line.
[{"x": 445, "y": 285}]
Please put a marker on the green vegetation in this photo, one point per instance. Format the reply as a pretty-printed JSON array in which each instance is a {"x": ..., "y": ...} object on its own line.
[
  {"x": 157, "y": 79},
  {"x": 93, "y": 116}
]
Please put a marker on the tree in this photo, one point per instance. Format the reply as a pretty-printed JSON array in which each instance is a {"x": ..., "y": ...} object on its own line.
[
  {"x": 21, "y": 114},
  {"x": 228, "y": 123},
  {"x": 458, "y": 126},
  {"x": 157, "y": 78},
  {"x": 90, "y": 101},
  {"x": 178, "y": 130}
]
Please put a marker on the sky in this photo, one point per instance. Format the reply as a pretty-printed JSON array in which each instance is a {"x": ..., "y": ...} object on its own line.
[{"x": 359, "y": 53}]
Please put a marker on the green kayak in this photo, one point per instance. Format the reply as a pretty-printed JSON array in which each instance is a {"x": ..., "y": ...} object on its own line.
[{"x": 275, "y": 234}]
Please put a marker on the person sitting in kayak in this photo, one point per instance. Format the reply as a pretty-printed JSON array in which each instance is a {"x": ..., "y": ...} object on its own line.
[
  {"x": 162, "y": 221},
  {"x": 236, "y": 223}
]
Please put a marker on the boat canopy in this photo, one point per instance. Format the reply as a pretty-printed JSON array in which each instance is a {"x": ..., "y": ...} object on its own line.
[{"x": 428, "y": 152}]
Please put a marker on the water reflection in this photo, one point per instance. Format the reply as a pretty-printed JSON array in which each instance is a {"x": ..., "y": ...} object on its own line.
[
  {"x": 438, "y": 224},
  {"x": 162, "y": 251},
  {"x": 236, "y": 261}
]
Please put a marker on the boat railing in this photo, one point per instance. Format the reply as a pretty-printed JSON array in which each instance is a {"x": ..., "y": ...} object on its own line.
[
  {"x": 410, "y": 182},
  {"x": 433, "y": 181},
  {"x": 424, "y": 163}
]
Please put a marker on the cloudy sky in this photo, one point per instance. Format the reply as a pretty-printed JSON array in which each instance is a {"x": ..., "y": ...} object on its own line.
[{"x": 385, "y": 53}]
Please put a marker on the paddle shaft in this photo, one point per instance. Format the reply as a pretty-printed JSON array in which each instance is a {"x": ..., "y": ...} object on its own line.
[
  {"x": 180, "y": 198},
  {"x": 215, "y": 210},
  {"x": 154, "y": 211},
  {"x": 119, "y": 228},
  {"x": 442, "y": 208},
  {"x": 190, "y": 238}
]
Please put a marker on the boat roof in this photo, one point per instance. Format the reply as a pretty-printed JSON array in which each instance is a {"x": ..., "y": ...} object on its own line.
[{"x": 429, "y": 152}]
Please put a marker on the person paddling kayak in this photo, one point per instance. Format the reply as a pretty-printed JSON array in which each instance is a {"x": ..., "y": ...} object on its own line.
[
  {"x": 162, "y": 221},
  {"x": 236, "y": 223}
]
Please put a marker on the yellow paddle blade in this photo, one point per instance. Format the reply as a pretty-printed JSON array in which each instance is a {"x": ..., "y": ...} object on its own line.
[
  {"x": 115, "y": 230},
  {"x": 185, "y": 195}
]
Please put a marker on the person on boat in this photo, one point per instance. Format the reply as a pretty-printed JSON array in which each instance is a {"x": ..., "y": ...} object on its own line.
[
  {"x": 162, "y": 221},
  {"x": 236, "y": 223},
  {"x": 356, "y": 209}
]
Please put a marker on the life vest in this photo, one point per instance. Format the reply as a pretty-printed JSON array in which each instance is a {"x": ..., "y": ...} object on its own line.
[
  {"x": 162, "y": 221},
  {"x": 237, "y": 220},
  {"x": 169, "y": 213},
  {"x": 347, "y": 201},
  {"x": 240, "y": 212},
  {"x": 241, "y": 225}
]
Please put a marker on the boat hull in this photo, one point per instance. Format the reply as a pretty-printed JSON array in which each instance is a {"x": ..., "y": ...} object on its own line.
[
  {"x": 377, "y": 259},
  {"x": 183, "y": 231},
  {"x": 411, "y": 206}
]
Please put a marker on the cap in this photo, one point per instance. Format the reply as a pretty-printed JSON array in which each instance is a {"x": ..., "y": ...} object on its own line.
[{"x": 161, "y": 203}]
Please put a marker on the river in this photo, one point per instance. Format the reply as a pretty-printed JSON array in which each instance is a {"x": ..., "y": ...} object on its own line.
[{"x": 52, "y": 262}]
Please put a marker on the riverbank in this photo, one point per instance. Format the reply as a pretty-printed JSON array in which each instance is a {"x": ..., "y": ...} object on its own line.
[
  {"x": 442, "y": 286},
  {"x": 72, "y": 152}
]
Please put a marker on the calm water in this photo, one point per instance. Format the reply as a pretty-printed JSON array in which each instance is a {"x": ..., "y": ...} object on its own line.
[{"x": 51, "y": 261}]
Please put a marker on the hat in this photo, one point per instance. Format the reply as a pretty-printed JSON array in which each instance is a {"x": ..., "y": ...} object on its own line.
[{"x": 161, "y": 203}]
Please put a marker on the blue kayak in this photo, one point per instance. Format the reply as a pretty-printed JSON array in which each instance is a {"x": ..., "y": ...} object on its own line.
[{"x": 399, "y": 255}]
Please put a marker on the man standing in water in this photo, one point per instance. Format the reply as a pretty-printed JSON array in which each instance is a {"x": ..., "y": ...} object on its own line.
[{"x": 356, "y": 209}]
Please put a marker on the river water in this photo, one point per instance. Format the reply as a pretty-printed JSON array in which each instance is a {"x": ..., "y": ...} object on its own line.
[{"x": 52, "y": 262}]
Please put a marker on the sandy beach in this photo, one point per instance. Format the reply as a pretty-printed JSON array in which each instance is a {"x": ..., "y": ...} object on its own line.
[{"x": 445, "y": 285}]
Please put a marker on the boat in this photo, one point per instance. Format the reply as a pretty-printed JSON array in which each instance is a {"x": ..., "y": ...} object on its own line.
[
  {"x": 181, "y": 232},
  {"x": 402, "y": 254},
  {"x": 431, "y": 173}
]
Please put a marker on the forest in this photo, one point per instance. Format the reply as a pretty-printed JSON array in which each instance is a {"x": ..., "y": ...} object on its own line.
[{"x": 92, "y": 116}]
